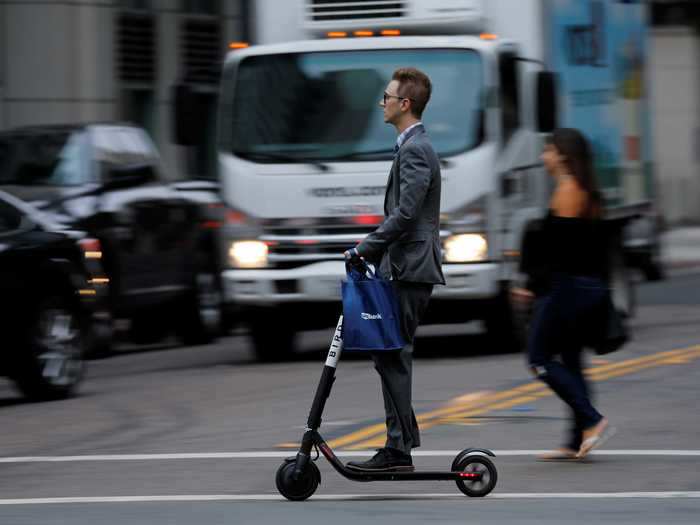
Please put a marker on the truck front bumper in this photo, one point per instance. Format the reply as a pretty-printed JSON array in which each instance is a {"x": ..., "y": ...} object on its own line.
[{"x": 320, "y": 282}]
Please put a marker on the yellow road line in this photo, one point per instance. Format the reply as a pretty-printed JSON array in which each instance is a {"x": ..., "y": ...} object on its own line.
[
  {"x": 380, "y": 439},
  {"x": 646, "y": 359},
  {"x": 632, "y": 365},
  {"x": 380, "y": 428},
  {"x": 673, "y": 360},
  {"x": 374, "y": 435}
]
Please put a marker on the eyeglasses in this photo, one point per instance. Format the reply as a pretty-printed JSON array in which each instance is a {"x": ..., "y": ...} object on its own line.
[{"x": 388, "y": 95}]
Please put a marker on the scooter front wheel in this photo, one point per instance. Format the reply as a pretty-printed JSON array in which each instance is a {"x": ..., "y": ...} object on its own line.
[
  {"x": 476, "y": 464},
  {"x": 301, "y": 488}
]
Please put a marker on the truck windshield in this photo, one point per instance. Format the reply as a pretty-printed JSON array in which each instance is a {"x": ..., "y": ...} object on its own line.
[{"x": 325, "y": 106}]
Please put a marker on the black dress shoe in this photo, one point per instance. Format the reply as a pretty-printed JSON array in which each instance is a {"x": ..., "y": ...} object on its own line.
[{"x": 385, "y": 460}]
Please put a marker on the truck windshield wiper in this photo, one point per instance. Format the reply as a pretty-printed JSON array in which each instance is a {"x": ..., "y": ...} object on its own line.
[{"x": 282, "y": 157}]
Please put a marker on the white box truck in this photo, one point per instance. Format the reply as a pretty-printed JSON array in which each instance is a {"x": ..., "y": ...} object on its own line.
[{"x": 304, "y": 153}]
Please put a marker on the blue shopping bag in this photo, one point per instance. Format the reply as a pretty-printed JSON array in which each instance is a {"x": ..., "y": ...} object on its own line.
[{"x": 371, "y": 316}]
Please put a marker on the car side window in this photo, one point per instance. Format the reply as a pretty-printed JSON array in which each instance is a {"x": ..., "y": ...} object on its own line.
[
  {"x": 48, "y": 158},
  {"x": 10, "y": 218},
  {"x": 73, "y": 163}
]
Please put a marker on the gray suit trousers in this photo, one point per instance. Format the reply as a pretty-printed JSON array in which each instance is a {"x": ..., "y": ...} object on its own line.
[{"x": 395, "y": 369}]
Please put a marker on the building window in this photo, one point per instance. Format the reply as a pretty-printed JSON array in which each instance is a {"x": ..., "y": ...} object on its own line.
[
  {"x": 202, "y": 50},
  {"x": 203, "y": 7},
  {"x": 136, "y": 49}
]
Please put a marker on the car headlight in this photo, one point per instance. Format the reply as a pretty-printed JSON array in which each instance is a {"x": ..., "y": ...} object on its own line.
[
  {"x": 467, "y": 247},
  {"x": 248, "y": 254}
]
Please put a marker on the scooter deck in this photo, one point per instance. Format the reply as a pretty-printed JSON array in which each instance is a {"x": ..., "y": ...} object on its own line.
[
  {"x": 416, "y": 475},
  {"x": 405, "y": 475}
]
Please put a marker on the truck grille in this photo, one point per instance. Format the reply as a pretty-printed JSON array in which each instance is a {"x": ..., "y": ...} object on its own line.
[
  {"x": 291, "y": 247},
  {"x": 332, "y": 10}
]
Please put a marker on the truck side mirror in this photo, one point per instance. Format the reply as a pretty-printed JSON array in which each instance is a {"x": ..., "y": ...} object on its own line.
[
  {"x": 189, "y": 120},
  {"x": 547, "y": 113}
]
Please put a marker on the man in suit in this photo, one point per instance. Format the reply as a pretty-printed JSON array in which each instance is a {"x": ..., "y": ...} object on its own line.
[{"x": 407, "y": 247}]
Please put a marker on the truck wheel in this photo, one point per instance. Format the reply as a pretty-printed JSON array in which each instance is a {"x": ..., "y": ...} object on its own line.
[
  {"x": 202, "y": 312},
  {"x": 52, "y": 366},
  {"x": 503, "y": 332},
  {"x": 274, "y": 337}
]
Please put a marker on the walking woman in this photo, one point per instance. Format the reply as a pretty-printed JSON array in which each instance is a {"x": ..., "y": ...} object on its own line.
[{"x": 568, "y": 287}]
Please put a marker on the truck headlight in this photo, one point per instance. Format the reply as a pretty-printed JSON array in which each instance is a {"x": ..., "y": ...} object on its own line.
[
  {"x": 248, "y": 254},
  {"x": 467, "y": 247}
]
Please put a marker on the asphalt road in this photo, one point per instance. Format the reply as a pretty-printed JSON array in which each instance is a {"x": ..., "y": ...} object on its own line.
[{"x": 166, "y": 434}]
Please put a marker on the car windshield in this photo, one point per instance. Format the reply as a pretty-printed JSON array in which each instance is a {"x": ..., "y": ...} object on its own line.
[
  {"x": 324, "y": 106},
  {"x": 44, "y": 159}
]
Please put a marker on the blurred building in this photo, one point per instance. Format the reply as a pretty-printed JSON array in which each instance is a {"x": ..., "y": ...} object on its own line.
[
  {"x": 675, "y": 83},
  {"x": 103, "y": 60}
]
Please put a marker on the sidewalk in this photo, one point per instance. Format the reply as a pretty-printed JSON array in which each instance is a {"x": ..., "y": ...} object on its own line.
[{"x": 680, "y": 247}]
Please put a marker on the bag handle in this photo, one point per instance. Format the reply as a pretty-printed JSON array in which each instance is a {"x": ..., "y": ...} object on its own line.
[{"x": 359, "y": 272}]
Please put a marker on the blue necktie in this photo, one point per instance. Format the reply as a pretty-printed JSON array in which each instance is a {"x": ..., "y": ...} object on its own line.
[{"x": 396, "y": 148}]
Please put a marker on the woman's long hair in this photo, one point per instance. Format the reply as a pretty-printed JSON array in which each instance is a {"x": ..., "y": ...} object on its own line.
[{"x": 579, "y": 159}]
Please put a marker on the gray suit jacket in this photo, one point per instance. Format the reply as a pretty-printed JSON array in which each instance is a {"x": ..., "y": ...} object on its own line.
[{"x": 407, "y": 243}]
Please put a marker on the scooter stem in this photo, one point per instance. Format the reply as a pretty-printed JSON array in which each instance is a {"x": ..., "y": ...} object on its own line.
[
  {"x": 327, "y": 378},
  {"x": 322, "y": 392}
]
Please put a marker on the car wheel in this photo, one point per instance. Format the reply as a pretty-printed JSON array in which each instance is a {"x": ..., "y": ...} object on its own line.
[
  {"x": 54, "y": 365},
  {"x": 202, "y": 318}
]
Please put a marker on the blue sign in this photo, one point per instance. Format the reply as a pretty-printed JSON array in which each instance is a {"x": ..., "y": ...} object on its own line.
[{"x": 599, "y": 50}]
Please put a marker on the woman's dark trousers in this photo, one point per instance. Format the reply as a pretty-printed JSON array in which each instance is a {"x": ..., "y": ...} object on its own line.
[{"x": 559, "y": 323}]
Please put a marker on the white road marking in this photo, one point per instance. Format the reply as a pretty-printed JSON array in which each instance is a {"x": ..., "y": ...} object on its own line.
[
  {"x": 341, "y": 497},
  {"x": 284, "y": 454}
]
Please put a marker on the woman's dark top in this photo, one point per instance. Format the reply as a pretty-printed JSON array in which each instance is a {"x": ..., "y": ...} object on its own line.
[{"x": 564, "y": 245}]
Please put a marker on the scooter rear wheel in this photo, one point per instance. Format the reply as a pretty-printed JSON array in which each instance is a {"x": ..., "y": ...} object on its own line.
[
  {"x": 476, "y": 464},
  {"x": 297, "y": 489}
]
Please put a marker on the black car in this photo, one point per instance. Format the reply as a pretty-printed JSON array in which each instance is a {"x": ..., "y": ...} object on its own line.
[
  {"x": 159, "y": 249},
  {"x": 52, "y": 292}
]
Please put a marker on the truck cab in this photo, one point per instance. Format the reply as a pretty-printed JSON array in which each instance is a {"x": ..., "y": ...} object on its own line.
[{"x": 304, "y": 154}]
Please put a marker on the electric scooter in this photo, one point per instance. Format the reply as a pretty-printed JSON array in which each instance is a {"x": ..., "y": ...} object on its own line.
[{"x": 298, "y": 477}]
